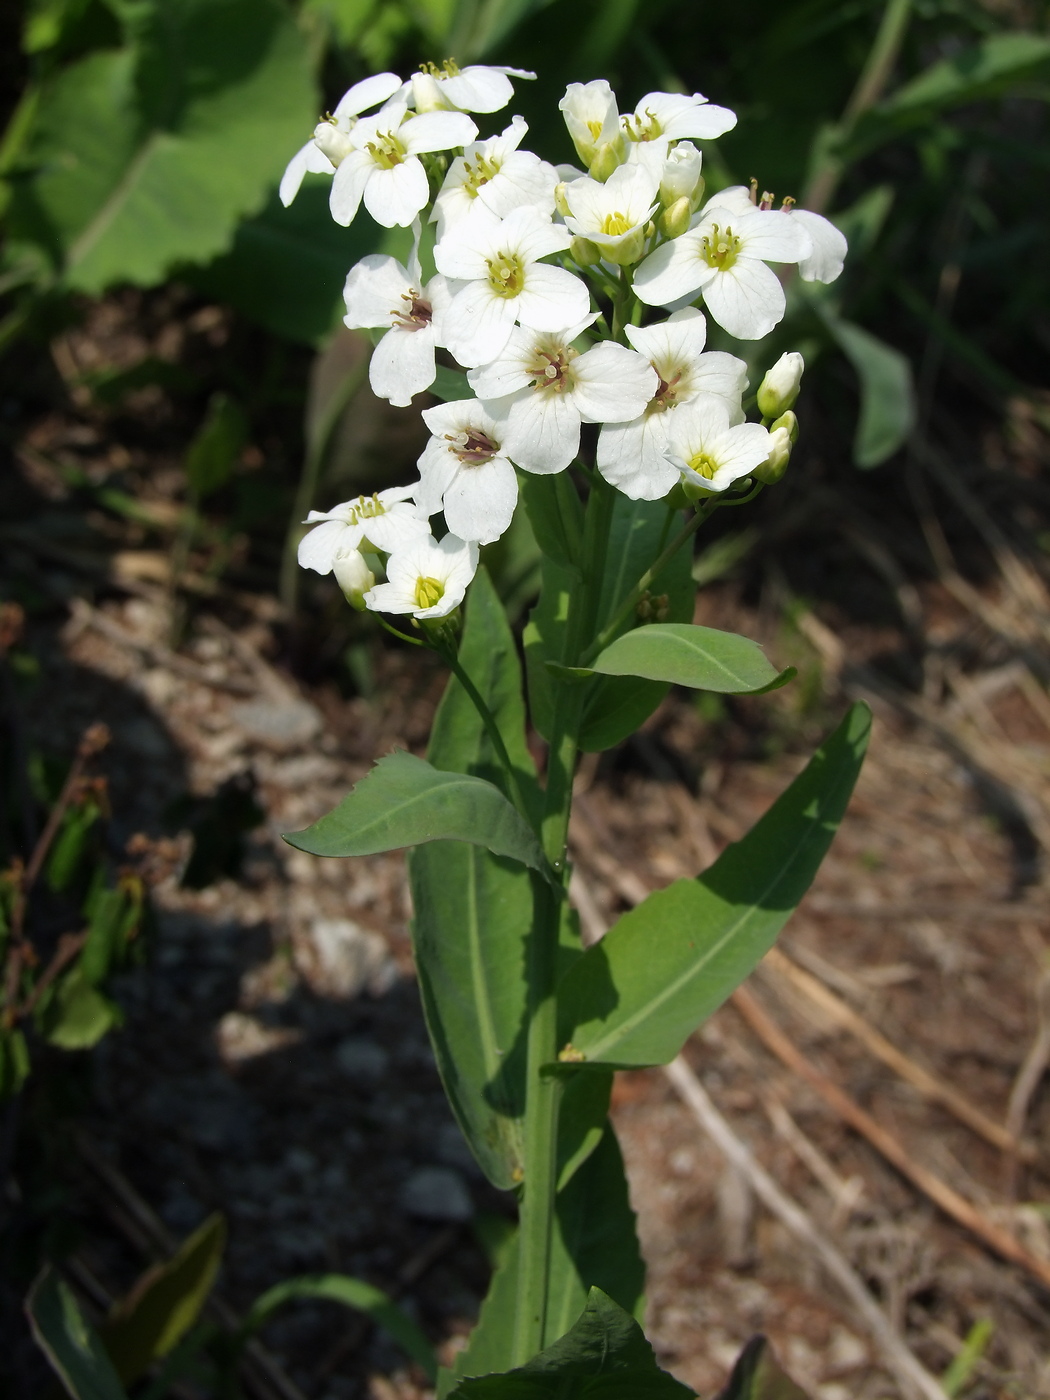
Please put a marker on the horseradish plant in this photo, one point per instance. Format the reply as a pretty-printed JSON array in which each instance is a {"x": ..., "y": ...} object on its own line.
[{"x": 576, "y": 302}]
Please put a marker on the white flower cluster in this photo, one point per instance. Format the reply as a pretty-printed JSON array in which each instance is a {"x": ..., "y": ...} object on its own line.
[{"x": 543, "y": 278}]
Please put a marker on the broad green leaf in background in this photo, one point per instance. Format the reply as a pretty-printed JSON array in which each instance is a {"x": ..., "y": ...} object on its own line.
[
  {"x": 700, "y": 657},
  {"x": 758, "y": 1376},
  {"x": 582, "y": 1121},
  {"x": 604, "y": 1356},
  {"x": 214, "y": 451},
  {"x": 635, "y": 997},
  {"x": 553, "y": 505},
  {"x": 146, "y": 157},
  {"x": 14, "y": 1063},
  {"x": 492, "y": 1338},
  {"x": 113, "y": 916},
  {"x": 70, "y": 1345},
  {"x": 887, "y": 392},
  {"x": 473, "y": 912},
  {"x": 165, "y": 1302},
  {"x": 352, "y": 1293},
  {"x": 287, "y": 267},
  {"x": 76, "y": 1015},
  {"x": 450, "y": 384},
  {"x": 404, "y": 801}
]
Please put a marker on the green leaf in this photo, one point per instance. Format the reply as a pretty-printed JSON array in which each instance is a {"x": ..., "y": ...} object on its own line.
[
  {"x": 604, "y": 1356},
  {"x": 70, "y": 1345},
  {"x": 77, "y": 1016},
  {"x": 217, "y": 445},
  {"x": 113, "y": 917},
  {"x": 492, "y": 1339},
  {"x": 700, "y": 657},
  {"x": 14, "y": 1063},
  {"x": 352, "y": 1293},
  {"x": 595, "y": 1241},
  {"x": 71, "y": 844},
  {"x": 887, "y": 392},
  {"x": 618, "y": 705},
  {"x": 473, "y": 912},
  {"x": 757, "y": 1376},
  {"x": 450, "y": 384},
  {"x": 582, "y": 1121},
  {"x": 635, "y": 997},
  {"x": 404, "y": 801},
  {"x": 287, "y": 267},
  {"x": 985, "y": 70},
  {"x": 148, "y": 156},
  {"x": 553, "y": 506},
  {"x": 164, "y": 1303}
]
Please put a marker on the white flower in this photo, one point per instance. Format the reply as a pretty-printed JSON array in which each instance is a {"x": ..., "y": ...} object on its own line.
[
  {"x": 613, "y": 215},
  {"x": 506, "y": 282},
  {"x": 779, "y": 389},
  {"x": 381, "y": 521},
  {"x": 824, "y": 263},
  {"x": 633, "y": 456},
  {"x": 379, "y": 291},
  {"x": 383, "y": 167},
  {"x": 426, "y": 577},
  {"x": 465, "y": 472},
  {"x": 709, "y": 449},
  {"x": 590, "y": 114},
  {"x": 724, "y": 257},
  {"x": 672, "y": 115},
  {"x": 495, "y": 175},
  {"x": 553, "y": 388},
  {"x": 474, "y": 89},
  {"x": 330, "y": 141}
]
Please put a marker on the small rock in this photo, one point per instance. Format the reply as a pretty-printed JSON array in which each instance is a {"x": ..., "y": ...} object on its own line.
[
  {"x": 240, "y": 1037},
  {"x": 362, "y": 1060},
  {"x": 279, "y": 724},
  {"x": 437, "y": 1193},
  {"x": 347, "y": 959}
]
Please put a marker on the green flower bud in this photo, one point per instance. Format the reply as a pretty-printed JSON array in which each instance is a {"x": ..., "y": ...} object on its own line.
[
  {"x": 779, "y": 390},
  {"x": 681, "y": 176},
  {"x": 583, "y": 252},
  {"x": 354, "y": 577},
  {"x": 788, "y": 421},
  {"x": 629, "y": 249},
  {"x": 560, "y": 202},
  {"x": 606, "y": 160},
  {"x": 675, "y": 220},
  {"x": 776, "y": 465}
]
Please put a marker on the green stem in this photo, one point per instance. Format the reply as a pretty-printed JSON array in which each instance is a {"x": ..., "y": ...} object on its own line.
[
  {"x": 543, "y": 1091},
  {"x": 488, "y": 719}
]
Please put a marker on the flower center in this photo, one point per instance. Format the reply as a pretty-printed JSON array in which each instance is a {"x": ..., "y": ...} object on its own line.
[
  {"x": 642, "y": 129},
  {"x": 449, "y": 69},
  {"x": 704, "y": 465},
  {"x": 616, "y": 224},
  {"x": 429, "y": 592},
  {"x": 472, "y": 446},
  {"x": 479, "y": 174},
  {"x": 506, "y": 274},
  {"x": 416, "y": 315},
  {"x": 387, "y": 151},
  {"x": 366, "y": 508},
  {"x": 666, "y": 395},
  {"x": 720, "y": 249},
  {"x": 550, "y": 368}
]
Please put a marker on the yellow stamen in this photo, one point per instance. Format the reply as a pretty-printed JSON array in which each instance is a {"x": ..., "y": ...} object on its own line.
[{"x": 429, "y": 592}]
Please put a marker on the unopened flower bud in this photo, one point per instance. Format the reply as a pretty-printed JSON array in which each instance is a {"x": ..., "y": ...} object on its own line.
[
  {"x": 332, "y": 142},
  {"x": 583, "y": 252},
  {"x": 354, "y": 577},
  {"x": 560, "y": 202},
  {"x": 680, "y": 178},
  {"x": 779, "y": 390},
  {"x": 788, "y": 421},
  {"x": 606, "y": 160},
  {"x": 674, "y": 220},
  {"x": 629, "y": 249},
  {"x": 770, "y": 472}
]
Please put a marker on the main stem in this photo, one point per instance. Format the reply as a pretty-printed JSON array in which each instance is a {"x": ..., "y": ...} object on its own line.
[{"x": 543, "y": 1090}]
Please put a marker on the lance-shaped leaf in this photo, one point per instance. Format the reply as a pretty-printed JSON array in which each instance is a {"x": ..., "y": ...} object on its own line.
[
  {"x": 636, "y": 997},
  {"x": 404, "y": 801},
  {"x": 604, "y": 1356},
  {"x": 473, "y": 912},
  {"x": 70, "y": 1344},
  {"x": 887, "y": 392},
  {"x": 701, "y": 657}
]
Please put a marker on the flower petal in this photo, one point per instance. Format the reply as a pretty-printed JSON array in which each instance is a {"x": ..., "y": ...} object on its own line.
[
  {"x": 436, "y": 131},
  {"x": 373, "y": 291},
  {"x": 631, "y": 457},
  {"x": 319, "y": 546},
  {"x": 825, "y": 262},
  {"x": 543, "y": 431},
  {"x": 394, "y": 197},
  {"x": 480, "y": 502},
  {"x": 402, "y": 365},
  {"x": 673, "y": 271},
  {"x": 369, "y": 92},
  {"x": 551, "y": 298},
  {"x": 348, "y": 185},
  {"x": 478, "y": 324},
  {"x": 612, "y": 384},
  {"x": 747, "y": 300},
  {"x": 307, "y": 159}
]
